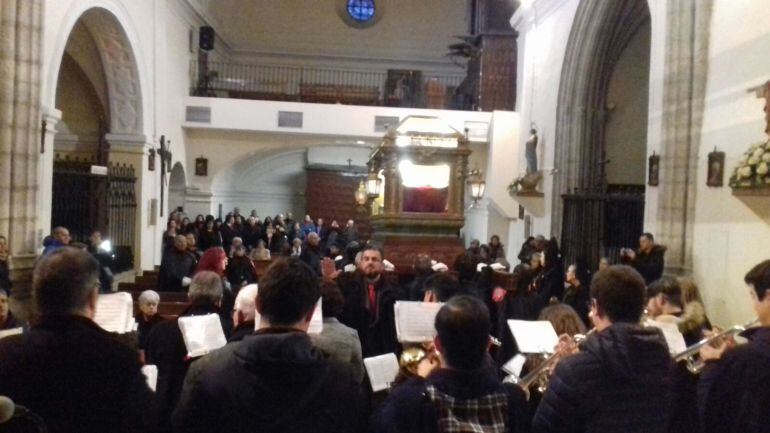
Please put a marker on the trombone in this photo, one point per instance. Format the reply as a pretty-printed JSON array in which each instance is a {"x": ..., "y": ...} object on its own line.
[
  {"x": 539, "y": 374},
  {"x": 691, "y": 355}
]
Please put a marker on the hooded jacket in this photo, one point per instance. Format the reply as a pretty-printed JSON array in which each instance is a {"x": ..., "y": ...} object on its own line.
[
  {"x": 620, "y": 381},
  {"x": 734, "y": 393},
  {"x": 273, "y": 381}
]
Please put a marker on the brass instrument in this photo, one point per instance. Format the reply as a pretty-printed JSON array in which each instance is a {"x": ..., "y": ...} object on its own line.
[
  {"x": 691, "y": 355},
  {"x": 539, "y": 374}
]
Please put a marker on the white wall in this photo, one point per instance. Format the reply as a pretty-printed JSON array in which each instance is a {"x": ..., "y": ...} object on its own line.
[
  {"x": 543, "y": 33},
  {"x": 411, "y": 34},
  {"x": 731, "y": 234}
]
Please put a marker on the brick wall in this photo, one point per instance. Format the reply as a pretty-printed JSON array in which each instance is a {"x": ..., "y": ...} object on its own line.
[{"x": 329, "y": 195}]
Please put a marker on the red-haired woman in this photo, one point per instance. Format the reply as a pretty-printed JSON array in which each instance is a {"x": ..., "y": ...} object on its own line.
[{"x": 214, "y": 259}]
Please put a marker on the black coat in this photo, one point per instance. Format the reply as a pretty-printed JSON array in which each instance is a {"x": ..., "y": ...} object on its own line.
[
  {"x": 273, "y": 381},
  {"x": 376, "y": 329},
  {"x": 650, "y": 265},
  {"x": 620, "y": 381},
  {"x": 409, "y": 410},
  {"x": 173, "y": 268},
  {"x": 166, "y": 350},
  {"x": 76, "y": 376},
  {"x": 734, "y": 393},
  {"x": 240, "y": 272},
  {"x": 209, "y": 239},
  {"x": 312, "y": 257}
]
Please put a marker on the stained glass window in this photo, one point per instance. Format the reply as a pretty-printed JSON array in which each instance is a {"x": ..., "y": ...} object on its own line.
[{"x": 361, "y": 10}]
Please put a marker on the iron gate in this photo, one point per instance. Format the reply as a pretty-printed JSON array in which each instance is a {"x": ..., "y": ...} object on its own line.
[
  {"x": 597, "y": 225},
  {"x": 83, "y": 202}
]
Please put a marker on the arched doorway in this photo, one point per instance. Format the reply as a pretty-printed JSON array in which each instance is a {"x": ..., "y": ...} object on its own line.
[
  {"x": 98, "y": 93},
  {"x": 176, "y": 188},
  {"x": 601, "y": 134}
]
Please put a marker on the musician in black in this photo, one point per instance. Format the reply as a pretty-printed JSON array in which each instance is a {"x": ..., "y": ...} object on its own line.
[
  {"x": 734, "y": 388},
  {"x": 620, "y": 381}
]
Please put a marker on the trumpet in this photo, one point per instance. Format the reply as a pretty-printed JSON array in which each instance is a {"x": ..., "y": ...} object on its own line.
[
  {"x": 691, "y": 355},
  {"x": 539, "y": 374}
]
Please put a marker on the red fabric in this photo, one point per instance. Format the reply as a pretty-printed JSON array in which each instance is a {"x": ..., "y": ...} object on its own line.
[
  {"x": 434, "y": 200},
  {"x": 372, "y": 297}
]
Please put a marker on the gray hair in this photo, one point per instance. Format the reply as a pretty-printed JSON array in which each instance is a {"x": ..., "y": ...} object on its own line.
[
  {"x": 246, "y": 301},
  {"x": 205, "y": 288},
  {"x": 149, "y": 296},
  {"x": 64, "y": 280}
]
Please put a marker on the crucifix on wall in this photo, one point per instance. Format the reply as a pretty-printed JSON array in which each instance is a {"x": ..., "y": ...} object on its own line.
[{"x": 165, "y": 164}]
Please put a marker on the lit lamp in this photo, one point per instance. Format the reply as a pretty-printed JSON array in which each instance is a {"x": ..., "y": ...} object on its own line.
[
  {"x": 477, "y": 184},
  {"x": 373, "y": 185},
  {"x": 360, "y": 194}
]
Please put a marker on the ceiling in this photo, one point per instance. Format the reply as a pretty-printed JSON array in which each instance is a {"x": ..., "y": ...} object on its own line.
[{"x": 408, "y": 29}]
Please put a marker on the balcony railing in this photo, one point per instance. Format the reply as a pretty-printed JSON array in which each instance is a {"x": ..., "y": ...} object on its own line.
[{"x": 397, "y": 88}]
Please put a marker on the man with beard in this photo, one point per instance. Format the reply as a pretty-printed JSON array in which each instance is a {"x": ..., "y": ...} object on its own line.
[{"x": 369, "y": 300}]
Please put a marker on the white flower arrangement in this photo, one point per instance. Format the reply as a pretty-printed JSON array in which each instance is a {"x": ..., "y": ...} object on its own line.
[{"x": 753, "y": 168}]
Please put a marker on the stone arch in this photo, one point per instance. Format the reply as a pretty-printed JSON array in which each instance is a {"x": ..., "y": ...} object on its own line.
[
  {"x": 600, "y": 32},
  {"x": 121, "y": 61},
  {"x": 177, "y": 184}
]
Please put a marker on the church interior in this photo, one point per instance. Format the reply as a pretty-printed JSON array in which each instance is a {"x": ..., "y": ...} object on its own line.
[{"x": 485, "y": 139}]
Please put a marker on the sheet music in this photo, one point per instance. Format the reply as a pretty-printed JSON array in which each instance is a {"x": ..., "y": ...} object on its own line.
[
  {"x": 151, "y": 374},
  {"x": 415, "y": 320},
  {"x": 115, "y": 312},
  {"x": 534, "y": 336},
  {"x": 202, "y": 334},
  {"x": 9, "y": 332},
  {"x": 317, "y": 321},
  {"x": 674, "y": 338},
  {"x": 515, "y": 364},
  {"x": 382, "y": 370}
]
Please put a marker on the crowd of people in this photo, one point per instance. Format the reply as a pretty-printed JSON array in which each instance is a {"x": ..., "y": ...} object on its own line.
[
  {"x": 272, "y": 376},
  {"x": 245, "y": 239}
]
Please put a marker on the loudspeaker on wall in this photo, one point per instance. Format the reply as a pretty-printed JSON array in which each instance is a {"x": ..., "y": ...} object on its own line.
[{"x": 206, "y": 38}]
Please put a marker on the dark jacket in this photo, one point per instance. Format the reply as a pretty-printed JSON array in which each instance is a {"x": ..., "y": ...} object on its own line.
[
  {"x": 375, "y": 326},
  {"x": 242, "y": 331},
  {"x": 620, "y": 381},
  {"x": 173, "y": 268},
  {"x": 312, "y": 257},
  {"x": 240, "y": 272},
  {"x": 208, "y": 239},
  {"x": 145, "y": 326},
  {"x": 650, "y": 265},
  {"x": 409, "y": 408},
  {"x": 10, "y": 322},
  {"x": 76, "y": 376},
  {"x": 273, "y": 381},
  {"x": 579, "y": 298},
  {"x": 166, "y": 350},
  {"x": 734, "y": 392}
]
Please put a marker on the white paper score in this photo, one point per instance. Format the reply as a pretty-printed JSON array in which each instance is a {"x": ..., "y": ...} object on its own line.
[
  {"x": 382, "y": 370},
  {"x": 415, "y": 321},
  {"x": 534, "y": 336},
  {"x": 202, "y": 334}
]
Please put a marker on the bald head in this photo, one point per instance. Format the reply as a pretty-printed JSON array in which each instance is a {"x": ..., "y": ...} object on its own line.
[
  {"x": 245, "y": 308},
  {"x": 61, "y": 234},
  {"x": 180, "y": 242}
]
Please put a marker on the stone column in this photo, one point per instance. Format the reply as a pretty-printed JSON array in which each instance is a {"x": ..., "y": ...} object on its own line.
[
  {"x": 20, "y": 136},
  {"x": 51, "y": 118},
  {"x": 132, "y": 150},
  {"x": 686, "y": 68}
]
